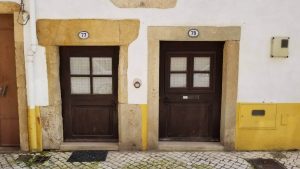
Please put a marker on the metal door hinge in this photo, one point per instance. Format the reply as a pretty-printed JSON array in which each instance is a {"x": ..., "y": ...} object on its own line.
[{"x": 3, "y": 90}]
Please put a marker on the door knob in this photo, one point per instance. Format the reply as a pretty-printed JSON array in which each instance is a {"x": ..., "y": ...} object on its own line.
[{"x": 114, "y": 102}]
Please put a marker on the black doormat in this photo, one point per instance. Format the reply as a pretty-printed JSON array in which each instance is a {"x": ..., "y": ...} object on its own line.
[
  {"x": 260, "y": 163},
  {"x": 87, "y": 156}
]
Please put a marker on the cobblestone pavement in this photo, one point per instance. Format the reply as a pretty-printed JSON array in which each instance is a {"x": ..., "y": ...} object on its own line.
[{"x": 157, "y": 160}]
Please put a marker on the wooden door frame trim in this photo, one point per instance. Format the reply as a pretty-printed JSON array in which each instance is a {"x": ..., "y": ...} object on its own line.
[
  {"x": 190, "y": 50},
  {"x": 231, "y": 36},
  {"x": 92, "y": 99},
  {"x": 13, "y": 8}
]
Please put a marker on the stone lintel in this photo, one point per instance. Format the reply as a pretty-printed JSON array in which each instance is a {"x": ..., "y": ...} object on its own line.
[
  {"x": 101, "y": 32},
  {"x": 162, "y": 4},
  {"x": 9, "y": 7}
]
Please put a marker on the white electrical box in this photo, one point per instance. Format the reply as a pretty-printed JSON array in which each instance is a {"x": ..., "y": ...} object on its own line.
[{"x": 280, "y": 47}]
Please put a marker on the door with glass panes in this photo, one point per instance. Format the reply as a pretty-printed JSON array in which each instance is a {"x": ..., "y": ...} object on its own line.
[
  {"x": 89, "y": 85},
  {"x": 190, "y": 91}
]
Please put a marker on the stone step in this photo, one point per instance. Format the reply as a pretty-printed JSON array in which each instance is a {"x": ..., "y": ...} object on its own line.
[
  {"x": 73, "y": 146},
  {"x": 190, "y": 146}
]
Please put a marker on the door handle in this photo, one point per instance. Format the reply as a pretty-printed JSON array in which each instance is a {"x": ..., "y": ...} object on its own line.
[
  {"x": 3, "y": 90},
  {"x": 114, "y": 103}
]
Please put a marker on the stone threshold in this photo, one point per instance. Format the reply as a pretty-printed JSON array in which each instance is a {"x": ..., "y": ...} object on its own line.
[
  {"x": 189, "y": 146},
  {"x": 73, "y": 146},
  {"x": 9, "y": 149}
]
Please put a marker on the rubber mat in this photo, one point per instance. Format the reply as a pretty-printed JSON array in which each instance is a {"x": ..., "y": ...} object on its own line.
[
  {"x": 87, "y": 156},
  {"x": 260, "y": 163}
]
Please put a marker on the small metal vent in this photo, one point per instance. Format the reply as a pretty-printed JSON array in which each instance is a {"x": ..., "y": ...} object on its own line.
[{"x": 284, "y": 43}]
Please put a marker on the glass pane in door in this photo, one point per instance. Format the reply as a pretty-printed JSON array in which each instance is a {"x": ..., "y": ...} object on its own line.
[
  {"x": 178, "y": 63},
  {"x": 80, "y": 65},
  {"x": 177, "y": 80},
  {"x": 102, "y": 65},
  {"x": 102, "y": 85},
  {"x": 201, "y": 63},
  {"x": 80, "y": 85},
  {"x": 201, "y": 80}
]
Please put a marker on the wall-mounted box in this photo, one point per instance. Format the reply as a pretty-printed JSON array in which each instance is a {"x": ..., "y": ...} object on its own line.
[
  {"x": 257, "y": 116},
  {"x": 280, "y": 47}
]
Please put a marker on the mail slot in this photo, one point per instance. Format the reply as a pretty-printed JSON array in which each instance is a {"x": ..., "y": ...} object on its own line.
[
  {"x": 258, "y": 112},
  {"x": 191, "y": 97}
]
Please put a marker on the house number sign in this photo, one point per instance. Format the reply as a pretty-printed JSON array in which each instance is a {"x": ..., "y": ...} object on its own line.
[
  {"x": 193, "y": 33},
  {"x": 83, "y": 35}
]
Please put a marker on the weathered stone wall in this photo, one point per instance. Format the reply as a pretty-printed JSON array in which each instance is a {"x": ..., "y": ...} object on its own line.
[
  {"x": 229, "y": 93},
  {"x": 51, "y": 116},
  {"x": 130, "y": 127}
]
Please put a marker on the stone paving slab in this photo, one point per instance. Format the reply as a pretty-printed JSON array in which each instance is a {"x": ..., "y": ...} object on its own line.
[{"x": 156, "y": 160}]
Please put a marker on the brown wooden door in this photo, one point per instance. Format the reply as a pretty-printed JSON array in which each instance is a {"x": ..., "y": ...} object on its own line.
[
  {"x": 9, "y": 121},
  {"x": 190, "y": 91},
  {"x": 89, "y": 84}
]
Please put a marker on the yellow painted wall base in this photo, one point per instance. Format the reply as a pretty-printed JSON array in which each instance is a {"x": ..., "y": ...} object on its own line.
[
  {"x": 278, "y": 129},
  {"x": 35, "y": 130}
]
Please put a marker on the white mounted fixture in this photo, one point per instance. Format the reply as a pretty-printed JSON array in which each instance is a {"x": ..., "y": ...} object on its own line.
[{"x": 280, "y": 47}]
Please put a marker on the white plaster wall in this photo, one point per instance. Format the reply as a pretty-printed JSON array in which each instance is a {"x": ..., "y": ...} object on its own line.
[
  {"x": 38, "y": 97},
  {"x": 40, "y": 81},
  {"x": 261, "y": 78}
]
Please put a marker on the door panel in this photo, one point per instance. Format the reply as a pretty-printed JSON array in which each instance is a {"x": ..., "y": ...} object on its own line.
[
  {"x": 99, "y": 119},
  {"x": 9, "y": 121},
  {"x": 10, "y": 131},
  {"x": 190, "y": 90},
  {"x": 179, "y": 113},
  {"x": 89, "y": 77}
]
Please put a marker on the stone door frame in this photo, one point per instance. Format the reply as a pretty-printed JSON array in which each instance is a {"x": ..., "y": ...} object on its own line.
[
  {"x": 13, "y": 8},
  {"x": 55, "y": 33},
  {"x": 231, "y": 37}
]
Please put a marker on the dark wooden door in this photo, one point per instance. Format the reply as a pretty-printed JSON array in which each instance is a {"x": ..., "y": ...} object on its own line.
[
  {"x": 89, "y": 84},
  {"x": 190, "y": 91},
  {"x": 9, "y": 121}
]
